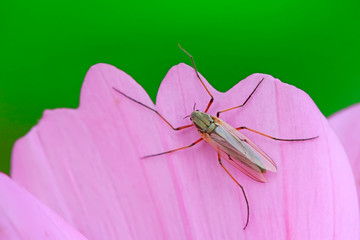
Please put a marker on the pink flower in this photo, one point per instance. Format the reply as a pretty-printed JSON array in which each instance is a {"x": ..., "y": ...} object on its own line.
[
  {"x": 347, "y": 126},
  {"x": 24, "y": 217},
  {"x": 85, "y": 164}
]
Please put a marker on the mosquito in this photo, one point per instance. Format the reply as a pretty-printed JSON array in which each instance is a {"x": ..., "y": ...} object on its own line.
[{"x": 227, "y": 141}]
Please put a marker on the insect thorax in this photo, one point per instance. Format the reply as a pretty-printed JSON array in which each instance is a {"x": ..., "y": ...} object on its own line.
[{"x": 203, "y": 121}]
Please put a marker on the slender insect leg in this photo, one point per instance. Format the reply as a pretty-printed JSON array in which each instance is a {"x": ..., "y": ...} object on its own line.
[
  {"x": 278, "y": 139},
  {"x": 178, "y": 128},
  {"x": 198, "y": 76},
  {"x": 218, "y": 113},
  {"x": 177, "y": 149},
  {"x": 243, "y": 191}
]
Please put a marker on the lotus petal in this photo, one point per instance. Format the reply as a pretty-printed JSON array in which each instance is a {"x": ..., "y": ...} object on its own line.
[
  {"x": 86, "y": 164},
  {"x": 24, "y": 217},
  {"x": 347, "y": 127}
]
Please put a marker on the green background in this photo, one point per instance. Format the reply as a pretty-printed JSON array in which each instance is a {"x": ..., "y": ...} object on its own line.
[{"x": 47, "y": 47}]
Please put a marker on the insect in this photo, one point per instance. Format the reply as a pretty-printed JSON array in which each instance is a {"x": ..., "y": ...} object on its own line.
[{"x": 228, "y": 142}]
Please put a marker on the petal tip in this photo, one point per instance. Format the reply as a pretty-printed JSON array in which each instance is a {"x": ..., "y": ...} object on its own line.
[{"x": 181, "y": 67}]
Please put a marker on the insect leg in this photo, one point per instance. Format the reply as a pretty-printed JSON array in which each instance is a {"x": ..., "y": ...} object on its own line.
[
  {"x": 218, "y": 113},
  {"x": 178, "y": 128},
  {"x": 278, "y": 139},
  {"x": 157, "y": 154},
  {"x": 198, "y": 76},
  {"x": 243, "y": 191}
]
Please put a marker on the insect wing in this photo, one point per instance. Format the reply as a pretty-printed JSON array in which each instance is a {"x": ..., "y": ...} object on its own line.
[
  {"x": 240, "y": 151},
  {"x": 233, "y": 156},
  {"x": 257, "y": 154}
]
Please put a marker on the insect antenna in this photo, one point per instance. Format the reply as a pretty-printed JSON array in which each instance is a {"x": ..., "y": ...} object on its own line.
[{"x": 186, "y": 116}]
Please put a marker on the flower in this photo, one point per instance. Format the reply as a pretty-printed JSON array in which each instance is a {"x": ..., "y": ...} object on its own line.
[
  {"x": 347, "y": 126},
  {"x": 24, "y": 217},
  {"x": 85, "y": 164}
]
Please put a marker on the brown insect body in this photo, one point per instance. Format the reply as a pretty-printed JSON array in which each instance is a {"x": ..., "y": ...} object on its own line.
[
  {"x": 235, "y": 147},
  {"x": 229, "y": 143}
]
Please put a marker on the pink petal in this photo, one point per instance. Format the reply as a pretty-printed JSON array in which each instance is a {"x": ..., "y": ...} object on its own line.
[
  {"x": 85, "y": 164},
  {"x": 24, "y": 217},
  {"x": 347, "y": 126}
]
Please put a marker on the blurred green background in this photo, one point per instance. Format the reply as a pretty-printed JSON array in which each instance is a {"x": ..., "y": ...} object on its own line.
[{"x": 47, "y": 47}]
